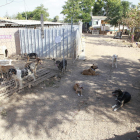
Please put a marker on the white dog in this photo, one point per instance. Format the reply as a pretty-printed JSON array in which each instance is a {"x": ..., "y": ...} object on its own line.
[
  {"x": 18, "y": 75},
  {"x": 114, "y": 60}
]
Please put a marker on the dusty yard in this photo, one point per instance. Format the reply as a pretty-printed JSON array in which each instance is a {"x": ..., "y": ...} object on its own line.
[{"x": 52, "y": 110}]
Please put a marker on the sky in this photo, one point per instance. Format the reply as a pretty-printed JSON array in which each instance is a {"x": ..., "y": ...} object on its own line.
[{"x": 12, "y": 7}]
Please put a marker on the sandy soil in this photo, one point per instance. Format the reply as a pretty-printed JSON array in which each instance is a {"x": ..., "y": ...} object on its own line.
[{"x": 52, "y": 110}]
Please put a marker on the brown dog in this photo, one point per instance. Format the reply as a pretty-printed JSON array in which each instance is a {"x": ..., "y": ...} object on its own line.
[
  {"x": 78, "y": 88},
  {"x": 90, "y": 71},
  {"x": 33, "y": 65},
  {"x": 5, "y": 69}
]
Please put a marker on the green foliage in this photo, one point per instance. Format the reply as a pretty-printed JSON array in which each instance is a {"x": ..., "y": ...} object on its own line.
[
  {"x": 86, "y": 10},
  {"x": 114, "y": 11},
  {"x": 20, "y": 17},
  {"x": 34, "y": 15},
  {"x": 78, "y": 9},
  {"x": 125, "y": 8},
  {"x": 29, "y": 15},
  {"x": 98, "y": 9},
  {"x": 71, "y": 9},
  {"x": 40, "y": 10},
  {"x": 56, "y": 19}
]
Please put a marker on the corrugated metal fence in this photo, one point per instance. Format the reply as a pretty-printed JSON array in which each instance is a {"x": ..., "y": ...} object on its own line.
[{"x": 31, "y": 41}]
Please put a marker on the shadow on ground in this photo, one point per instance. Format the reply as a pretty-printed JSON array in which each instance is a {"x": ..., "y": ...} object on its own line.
[{"x": 50, "y": 110}]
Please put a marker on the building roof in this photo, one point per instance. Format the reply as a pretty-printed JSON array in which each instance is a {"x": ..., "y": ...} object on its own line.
[
  {"x": 99, "y": 17},
  {"x": 25, "y": 22}
]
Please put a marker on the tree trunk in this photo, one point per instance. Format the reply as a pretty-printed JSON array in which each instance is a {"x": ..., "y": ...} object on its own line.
[
  {"x": 119, "y": 26},
  {"x": 123, "y": 28},
  {"x": 133, "y": 29}
]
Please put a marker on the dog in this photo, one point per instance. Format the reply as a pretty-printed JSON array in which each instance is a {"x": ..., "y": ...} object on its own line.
[
  {"x": 78, "y": 88},
  {"x": 90, "y": 71},
  {"x": 33, "y": 65},
  {"x": 31, "y": 55},
  {"x": 18, "y": 75},
  {"x": 59, "y": 64},
  {"x": 122, "y": 98},
  {"x": 5, "y": 69},
  {"x": 114, "y": 60}
]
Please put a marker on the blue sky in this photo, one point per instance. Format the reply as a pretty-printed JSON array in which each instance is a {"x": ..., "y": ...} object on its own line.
[{"x": 54, "y": 6}]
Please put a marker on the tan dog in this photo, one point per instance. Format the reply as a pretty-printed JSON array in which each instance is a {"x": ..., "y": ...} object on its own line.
[
  {"x": 33, "y": 65},
  {"x": 90, "y": 71},
  {"x": 5, "y": 69},
  {"x": 78, "y": 88}
]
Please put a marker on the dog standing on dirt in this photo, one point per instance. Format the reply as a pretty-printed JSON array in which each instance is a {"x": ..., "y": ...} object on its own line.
[
  {"x": 59, "y": 64},
  {"x": 78, "y": 88},
  {"x": 114, "y": 60},
  {"x": 122, "y": 98},
  {"x": 18, "y": 75},
  {"x": 33, "y": 65},
  {"x": 90, "y": 71},
  {"x": 31, "y": 55}
]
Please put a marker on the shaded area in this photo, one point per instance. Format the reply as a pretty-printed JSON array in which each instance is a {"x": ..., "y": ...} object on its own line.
[{"x": 58, "y": 113}]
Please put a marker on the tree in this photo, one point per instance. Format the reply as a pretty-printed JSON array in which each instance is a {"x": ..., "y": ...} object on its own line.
[
  {"x": 40, "y": 10},
  {"x": 113, "y": 10},
  {"x": 29, "y": 14},
  {"x": 19, "y": 17},
  {"x": 125, "y": 9},
  {"x": 56, "y": 19},
  {"x": 98, "y": 9},
  {"x": 86, "y": 10},
  {"x": 72, "y": 10},
  {"x": 133, "y": 20}
]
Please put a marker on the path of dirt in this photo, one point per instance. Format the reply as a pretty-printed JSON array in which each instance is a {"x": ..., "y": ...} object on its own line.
[{"x": 52, "y": 111}]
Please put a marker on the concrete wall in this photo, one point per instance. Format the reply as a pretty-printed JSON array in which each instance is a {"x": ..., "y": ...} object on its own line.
[{"x": 9, "y": 37}]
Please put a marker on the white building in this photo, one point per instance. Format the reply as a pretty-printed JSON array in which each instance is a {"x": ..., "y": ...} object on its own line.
[{"x": 98, "y": 21}]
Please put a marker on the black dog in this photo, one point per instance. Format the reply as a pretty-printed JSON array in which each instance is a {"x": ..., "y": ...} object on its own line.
[
  {"x": 122, "y": 98},
  {"x": 59, "y": 64},
  {"x": 31, "y": 55}
]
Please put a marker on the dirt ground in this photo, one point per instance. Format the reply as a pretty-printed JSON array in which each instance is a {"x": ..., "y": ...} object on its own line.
[{"x": 52, "y": 110}]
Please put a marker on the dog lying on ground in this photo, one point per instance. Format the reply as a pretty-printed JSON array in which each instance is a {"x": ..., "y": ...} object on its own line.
[
  {"x": 33, "y": 65},
  {"x": 59, "y": 64},
  {"x": 90, "y": 71},
  {"x": 122, "y": 98},
  {"x": 5, "y": 69},
  {"x": 18, "y": 75},
  {"x": 114, "y": 60},
  {"x": 31, "y": 55},
  {"x": 78, "y": 88}
]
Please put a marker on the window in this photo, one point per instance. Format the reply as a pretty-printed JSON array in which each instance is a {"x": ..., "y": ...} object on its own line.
[{"x": 95, "y": 22}]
